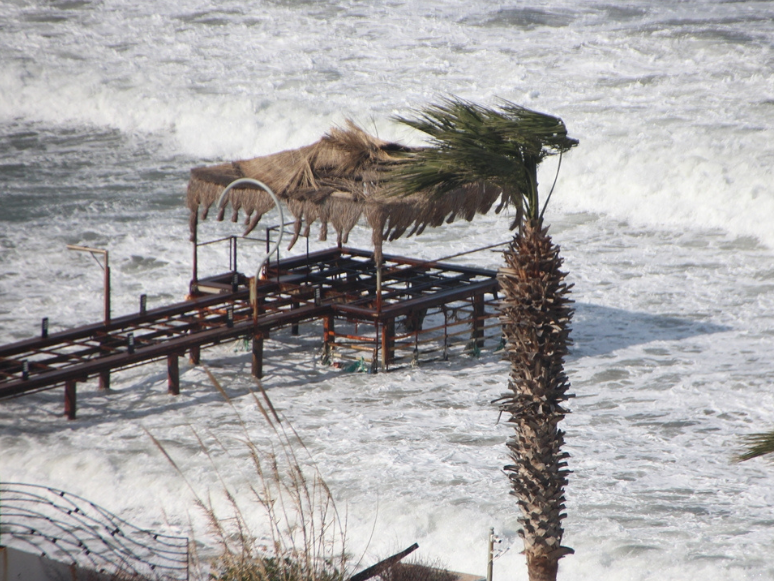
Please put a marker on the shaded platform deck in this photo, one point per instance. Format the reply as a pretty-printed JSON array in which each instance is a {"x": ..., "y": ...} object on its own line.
[{"x": 416, "y": 307}]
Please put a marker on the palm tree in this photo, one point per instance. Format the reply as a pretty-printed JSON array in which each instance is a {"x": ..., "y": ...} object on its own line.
[{"x": 503, "y": 147}]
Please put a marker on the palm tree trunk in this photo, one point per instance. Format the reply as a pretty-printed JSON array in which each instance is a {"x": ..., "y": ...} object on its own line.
[{"x": 536, "y": 314}]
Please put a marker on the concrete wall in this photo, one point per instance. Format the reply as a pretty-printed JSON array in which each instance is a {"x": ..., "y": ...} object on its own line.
[{"x": 17, "y": 565}]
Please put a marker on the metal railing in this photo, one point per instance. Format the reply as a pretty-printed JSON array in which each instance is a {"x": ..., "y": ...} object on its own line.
[
  {"x": 436, "y": 334},
  {"x": 65, "y": 527}
]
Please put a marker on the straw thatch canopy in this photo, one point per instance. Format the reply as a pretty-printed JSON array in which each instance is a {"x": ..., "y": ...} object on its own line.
[{"x": 337, "y": 180}]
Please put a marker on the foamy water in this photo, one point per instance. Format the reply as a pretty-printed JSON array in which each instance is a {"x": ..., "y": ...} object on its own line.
[{"x": 663, "y": 212}]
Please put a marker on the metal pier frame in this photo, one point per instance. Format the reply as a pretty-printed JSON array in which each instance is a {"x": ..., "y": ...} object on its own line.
[{"x": 388, "y": 306}]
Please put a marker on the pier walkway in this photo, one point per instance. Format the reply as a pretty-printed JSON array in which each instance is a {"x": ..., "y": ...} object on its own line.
[{"x": 407, "y": 305}]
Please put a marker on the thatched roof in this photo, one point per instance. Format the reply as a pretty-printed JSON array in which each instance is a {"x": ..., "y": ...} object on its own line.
[{"x": 337, "y": 180}]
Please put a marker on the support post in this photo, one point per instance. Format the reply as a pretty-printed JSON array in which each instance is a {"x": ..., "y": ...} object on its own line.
[
  {"x": 104, "y": 380},
  {"x": 258, "y": 355},
  {"x": 195, "y": 353},
  {"x": 388, "y": 343},
  {"x": 294, "y": 328},
  {"x": 234, "y": 253},
  {"x": 70, "y": 399},
  {"x": 107, "y": 290},
  {"x": 477, "y": 334},
  {"x": 375, "y": 366},
  {"x": 445, "y": 333},
  {"x": 173, "y": 374},
  {"x": 490, "y": 555},
  {"x": 378, "y": 288},
  {"x": 195, "y": 240},
  {"x": 329, "y": 329},
  {"x": 254, "y": 297},
  {"x": 105, "y": 268}
]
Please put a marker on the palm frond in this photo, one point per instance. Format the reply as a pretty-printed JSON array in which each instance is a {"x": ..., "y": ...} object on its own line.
[
  {"x": 757, "y": 445},
  {"x": 470, "y": 143}
]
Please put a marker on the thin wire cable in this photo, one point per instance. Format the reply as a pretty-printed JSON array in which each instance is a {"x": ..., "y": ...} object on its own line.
[{"x": 558, "y": 167}]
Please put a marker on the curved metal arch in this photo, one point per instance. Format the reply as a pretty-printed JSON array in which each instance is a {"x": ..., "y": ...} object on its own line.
[{"x": 267, "y": 189}]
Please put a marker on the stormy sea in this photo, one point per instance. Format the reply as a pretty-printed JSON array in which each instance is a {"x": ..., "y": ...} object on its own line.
[{"x": 664, "y": 214}]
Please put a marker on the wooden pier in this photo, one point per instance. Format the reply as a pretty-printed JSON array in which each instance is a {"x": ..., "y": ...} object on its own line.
[{"x": 406, "y": 305}]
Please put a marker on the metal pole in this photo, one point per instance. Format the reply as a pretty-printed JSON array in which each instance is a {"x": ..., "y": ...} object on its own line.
[
  {"x": 107, "y": 290},
  {"x": 235, "y": 253},
  {"x": 378, "y": 288},
  {"x": 267, "y": 189},
  {"x": 490, "y": 555},
  {"x": 195, "y": 240},
  {"x": 70, "y": 399},
  {"x": 105, "y": 268}
]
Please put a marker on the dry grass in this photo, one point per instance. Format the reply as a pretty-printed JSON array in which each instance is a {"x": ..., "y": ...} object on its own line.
[
  {"x": 417, "y": 571},
  {"x": 306, "y": 537}
]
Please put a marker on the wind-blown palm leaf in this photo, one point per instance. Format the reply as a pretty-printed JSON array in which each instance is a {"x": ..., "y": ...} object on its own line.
[
  {"x": 470, "y": 143},
  {"x": 757, "y": 445}
]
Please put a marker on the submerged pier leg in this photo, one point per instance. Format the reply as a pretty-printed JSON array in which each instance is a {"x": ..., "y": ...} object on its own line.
[
  {"x": 388, "y": 343},
  {"x": 258, "y": 355},
  {"x": 70, "y": 399},
  {"x": 294, "y": 327},
  {"x": 195, "y": 354},
  {"x": 104, "y": 380},
  {"x": 173, "y": 374},
  {"x": 477, "y": 334},
  {"x": 329, "y": 329}
]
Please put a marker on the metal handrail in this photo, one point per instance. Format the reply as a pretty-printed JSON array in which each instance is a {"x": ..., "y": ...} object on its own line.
[
  {"x": 268, "y": 190},
  {"x": 66, "y": 527}
]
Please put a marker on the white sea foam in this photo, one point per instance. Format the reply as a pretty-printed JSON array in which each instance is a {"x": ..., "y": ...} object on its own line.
[
  {"x": 663, "y": 212},
  {"x": 674, "y": 111}
]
